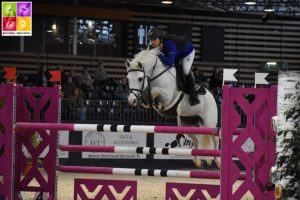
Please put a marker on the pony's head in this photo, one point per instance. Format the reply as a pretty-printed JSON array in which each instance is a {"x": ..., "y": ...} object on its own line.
[{"x": 138, "y": 71}]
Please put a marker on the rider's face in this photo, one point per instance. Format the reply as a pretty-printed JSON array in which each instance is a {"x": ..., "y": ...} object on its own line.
[{"x": 155, "y": 42}]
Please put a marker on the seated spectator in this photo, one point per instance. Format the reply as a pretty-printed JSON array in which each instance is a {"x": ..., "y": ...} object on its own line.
[
  {"x": 86, "y": 82},
  {"x": 64, "y": 106},
  {"x": 122, "y": 90},
  {"x": 215, "y": 82},
  {"x": 202, "y": 79},
  {"x": 64, "y": 75},
  {"x": 75, "y": 105},
  {"x": 68, "y": 87},
  {"x": 75, "y": 77},
  {"x": 42, "y": 77},
  {"x": 100, "y": 76}
]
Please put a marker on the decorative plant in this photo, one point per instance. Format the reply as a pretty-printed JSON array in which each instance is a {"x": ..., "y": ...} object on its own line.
[
  {"x": 288, "y": 160},
  {"x": 35, "y": 140}
]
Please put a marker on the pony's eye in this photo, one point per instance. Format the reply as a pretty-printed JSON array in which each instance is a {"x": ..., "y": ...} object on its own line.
[{"x": 140, "y": 79}]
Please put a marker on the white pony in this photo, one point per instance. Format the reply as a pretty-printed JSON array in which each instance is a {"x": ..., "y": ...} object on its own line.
[{"x": 155, "y": 85}]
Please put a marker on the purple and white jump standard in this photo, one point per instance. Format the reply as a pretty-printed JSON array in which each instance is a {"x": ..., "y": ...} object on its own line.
[
  {"x": 141, "y": 150},
  {"x": 117, "y": 128}
]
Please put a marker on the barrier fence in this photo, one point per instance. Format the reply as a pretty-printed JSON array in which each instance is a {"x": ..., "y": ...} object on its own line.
[{"x": 257, "y": 164}]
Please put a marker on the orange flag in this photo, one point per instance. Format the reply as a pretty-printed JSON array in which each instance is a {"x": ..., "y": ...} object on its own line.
[
  {"x": 56, "y": 76},
  {"x": 10, "y": 73}
]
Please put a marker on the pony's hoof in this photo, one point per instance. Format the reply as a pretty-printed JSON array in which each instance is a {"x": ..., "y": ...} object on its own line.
[
  {"x": 208, "y": 161},
  {"x": 218, "y": 162},
  {"x": 197, "y": 162}
]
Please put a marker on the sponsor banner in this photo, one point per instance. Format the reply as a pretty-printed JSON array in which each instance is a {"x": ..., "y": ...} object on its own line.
[
  {"x": 174, "y": 141},
  {"x": 63, "y": 140},
  {"x": 93, "y": 138}
]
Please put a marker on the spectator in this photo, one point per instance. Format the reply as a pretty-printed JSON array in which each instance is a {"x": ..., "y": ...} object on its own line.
[
  {"x": 100, "y": 76},
  {"x": 76, "y": 105},
  {"x": 122, "y": 90},
  {"x": 75, "y": 77},
  {"x": 64, "y": 75},
  {"x": 68, "y": 87},
  {"x": 215, "y": 80},
  {"x": 64, "y": 106},
  {"x": 86, "y": 82},
  {"x": 202, "y": 79},
  {"x": 42, "y": 77}
]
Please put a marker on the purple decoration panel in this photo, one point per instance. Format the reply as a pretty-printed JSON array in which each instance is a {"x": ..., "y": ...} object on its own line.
[
  {"x": 6, "y": 140},
  {"x": 177, "y": 191},
  {"x": 36, "y": 104},
  {"x": 259, "y": 106},
  {"x": 89, "y": 189}
]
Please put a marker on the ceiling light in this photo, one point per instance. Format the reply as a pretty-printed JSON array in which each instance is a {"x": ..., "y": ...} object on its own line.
[
  {"x": 269, "y": 8},
  {"x": 166, "y": 2},
  {"x": 250, "y": 2},
  {"x": 54, "y": 26},
  {"x": 271, "y": 63}
]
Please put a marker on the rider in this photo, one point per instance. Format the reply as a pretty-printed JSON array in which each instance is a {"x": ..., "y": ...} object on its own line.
[{"x": 174, "y": 48}]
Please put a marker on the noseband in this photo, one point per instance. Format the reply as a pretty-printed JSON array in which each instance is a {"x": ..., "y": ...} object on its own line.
[{"x": 136, "y": 89}]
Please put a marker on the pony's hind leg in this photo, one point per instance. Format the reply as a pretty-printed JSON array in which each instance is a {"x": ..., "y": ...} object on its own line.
[
  {"x": 216, "y": 142},
  {"x": 196, "y": 159},
  {"x": 192, "y": 121}
]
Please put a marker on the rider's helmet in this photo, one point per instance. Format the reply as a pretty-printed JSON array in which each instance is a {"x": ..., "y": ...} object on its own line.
[{"x": 155, "y": 33}]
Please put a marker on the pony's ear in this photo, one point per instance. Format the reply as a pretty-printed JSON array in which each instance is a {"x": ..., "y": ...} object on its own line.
[
  {"x": 140, "y": 65},
  {"x": 127, "y": 63}
]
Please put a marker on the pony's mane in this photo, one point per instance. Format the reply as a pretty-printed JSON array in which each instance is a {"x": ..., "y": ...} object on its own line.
[{"x": 144, "y": 56}]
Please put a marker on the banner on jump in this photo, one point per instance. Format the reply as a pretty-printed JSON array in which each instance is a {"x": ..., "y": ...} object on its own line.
[{"x": 92, "y": 138}]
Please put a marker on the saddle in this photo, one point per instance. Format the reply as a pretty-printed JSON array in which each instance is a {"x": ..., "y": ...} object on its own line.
[{"x": 181, "y": 81}]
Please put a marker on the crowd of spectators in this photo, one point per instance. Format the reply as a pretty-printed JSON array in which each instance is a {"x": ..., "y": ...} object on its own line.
[{"x": 80, "y": 89}]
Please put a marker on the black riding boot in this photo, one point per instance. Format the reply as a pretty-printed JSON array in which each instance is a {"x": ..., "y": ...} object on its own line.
[{"x": 190, "y": 81}]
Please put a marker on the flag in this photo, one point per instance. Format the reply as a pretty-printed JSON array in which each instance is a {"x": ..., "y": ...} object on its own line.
[
  {"x": 56, "y": 76},
  {"x": 260, "y": 78},
  {"x": 228, "y": 75},
  {"x": 10, "y": 73}
]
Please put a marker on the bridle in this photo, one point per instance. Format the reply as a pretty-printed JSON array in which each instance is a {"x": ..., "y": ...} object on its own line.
[{"x": 147, "y": 91}]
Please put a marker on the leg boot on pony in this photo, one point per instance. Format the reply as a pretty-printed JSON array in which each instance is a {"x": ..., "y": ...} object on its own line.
[{"x": 190, "y": 81}]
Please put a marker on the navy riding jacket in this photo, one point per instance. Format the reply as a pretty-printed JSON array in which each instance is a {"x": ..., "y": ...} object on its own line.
[{"x": 171, "y": 52}]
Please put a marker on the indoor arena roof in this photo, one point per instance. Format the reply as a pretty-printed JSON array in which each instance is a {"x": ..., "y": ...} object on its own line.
[{"x": 289, "y": 8}]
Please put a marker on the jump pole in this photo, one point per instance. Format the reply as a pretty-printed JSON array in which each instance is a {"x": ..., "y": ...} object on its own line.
[
  {"x": 141, "y": 150},
  {"x": 117, "y": 128},
  {"x": 143, "y": 172}
]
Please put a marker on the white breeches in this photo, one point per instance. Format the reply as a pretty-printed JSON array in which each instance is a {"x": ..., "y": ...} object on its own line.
[{"x": 187, "y": 62}]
